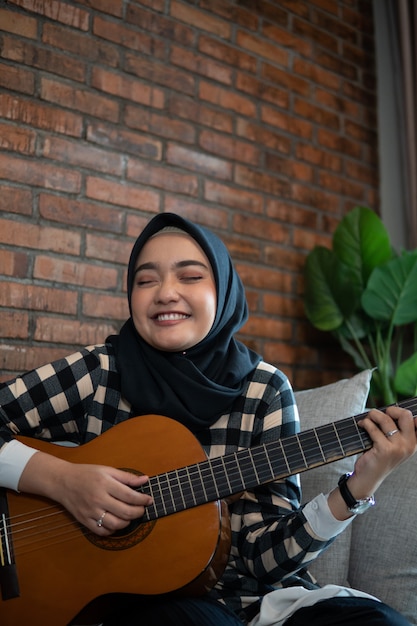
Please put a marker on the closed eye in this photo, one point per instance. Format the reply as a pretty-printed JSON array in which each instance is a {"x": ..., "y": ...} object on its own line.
[
  {"x": 145, "y": 279},
  {"x": 191, "y": 278}
]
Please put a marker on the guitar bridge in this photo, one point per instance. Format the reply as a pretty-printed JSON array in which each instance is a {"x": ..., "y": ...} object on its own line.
[{"x": 9, "y": 584}]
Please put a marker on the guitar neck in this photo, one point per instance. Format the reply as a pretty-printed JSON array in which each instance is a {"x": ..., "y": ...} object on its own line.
[{"x": 227, "y": 475}]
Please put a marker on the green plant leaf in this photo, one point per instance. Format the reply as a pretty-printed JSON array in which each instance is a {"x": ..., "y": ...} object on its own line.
[
  {"x": 359, "y": 325},
  {"x": 405, "y": 380},
  {"x": 362, "y": 243},
  {"x": 353, "y": 352},
  {"x": 330, "y": 294},
  {"x": 391, "y": 293}
]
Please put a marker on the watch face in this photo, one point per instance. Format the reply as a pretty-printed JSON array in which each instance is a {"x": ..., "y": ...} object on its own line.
[{"x": 362, "y": 505}]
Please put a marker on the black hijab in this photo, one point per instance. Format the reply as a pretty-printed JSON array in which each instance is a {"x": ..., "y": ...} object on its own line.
[{"x": 198, "y": 387}]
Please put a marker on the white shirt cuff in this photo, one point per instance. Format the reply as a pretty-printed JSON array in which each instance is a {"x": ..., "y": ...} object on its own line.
[
  {"x": 14, "y": 456},
  {"x": 322, "y": 520}
]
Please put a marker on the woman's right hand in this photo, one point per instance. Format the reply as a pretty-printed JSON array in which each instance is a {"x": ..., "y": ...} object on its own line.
[{"x": 89, "y": 492}]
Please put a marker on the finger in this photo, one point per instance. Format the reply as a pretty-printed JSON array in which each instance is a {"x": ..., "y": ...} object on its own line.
[
  {"x": 117, "y": 512},
  {"x": 392, "y": 433},
  {"x": 403, "y": 418},
  {"x": 127, "y": 512},
  {"x": 397, "y": 430},
  {"x": 126, "y": 488},
  {"x": 109, "y": 521},
  {"x": 394, "y": 419},
  {"x": 378, "y": 423},
  {"x": 130, "y": 479}
]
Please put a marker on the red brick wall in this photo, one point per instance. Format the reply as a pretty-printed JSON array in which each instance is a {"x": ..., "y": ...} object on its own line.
[{"x": 255, "y": 118}]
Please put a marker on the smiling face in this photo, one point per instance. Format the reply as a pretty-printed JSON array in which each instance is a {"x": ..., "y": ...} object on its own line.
[{"x": 173, "y": 299}]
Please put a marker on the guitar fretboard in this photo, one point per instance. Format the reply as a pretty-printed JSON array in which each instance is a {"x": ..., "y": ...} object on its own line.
[
  {"x": 220, "y": 477},
  {"x": 223, "y": 476}
]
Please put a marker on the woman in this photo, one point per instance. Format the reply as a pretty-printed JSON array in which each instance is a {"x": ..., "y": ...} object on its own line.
[{"x": 177, "y": 356}]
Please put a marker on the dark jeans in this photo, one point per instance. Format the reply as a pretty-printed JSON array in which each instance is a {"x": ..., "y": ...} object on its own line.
[{"x": 204, "y": 612}]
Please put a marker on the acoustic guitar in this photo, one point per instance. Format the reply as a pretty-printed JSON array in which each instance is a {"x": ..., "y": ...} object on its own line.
[{"x": 51, "y": 567}]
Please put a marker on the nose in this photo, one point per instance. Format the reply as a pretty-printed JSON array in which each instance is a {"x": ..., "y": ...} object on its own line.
[{"x": 167, "y": 291}]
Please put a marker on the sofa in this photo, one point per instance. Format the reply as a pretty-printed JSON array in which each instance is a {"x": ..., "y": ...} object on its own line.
[{"x": 378, "y": 552}]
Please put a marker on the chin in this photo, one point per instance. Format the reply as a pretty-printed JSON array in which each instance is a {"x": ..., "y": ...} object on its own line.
[{"x": 170, "y": 347}]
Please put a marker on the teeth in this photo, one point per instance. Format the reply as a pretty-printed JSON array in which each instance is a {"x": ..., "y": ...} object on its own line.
[{"x": 171, "y": 316}]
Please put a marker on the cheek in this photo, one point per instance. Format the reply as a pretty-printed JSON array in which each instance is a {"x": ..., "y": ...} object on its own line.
[
  {"x": 211, "y": 308},
  {"x": 137, "y": 304}
]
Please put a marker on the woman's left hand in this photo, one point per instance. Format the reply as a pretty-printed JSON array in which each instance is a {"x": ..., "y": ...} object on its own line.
[{"x": 393, "y": 434}]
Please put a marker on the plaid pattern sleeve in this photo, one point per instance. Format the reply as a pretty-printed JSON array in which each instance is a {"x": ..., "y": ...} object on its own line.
[
  {"x": 272, "y": 542},
  {"x": 75, "y": 398}
]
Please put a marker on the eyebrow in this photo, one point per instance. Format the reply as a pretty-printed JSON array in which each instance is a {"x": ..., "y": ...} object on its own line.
[{"x": 179, "y": 264}]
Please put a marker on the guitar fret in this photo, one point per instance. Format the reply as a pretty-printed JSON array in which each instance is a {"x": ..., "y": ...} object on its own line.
[
  {"x": 338, "y": 439},
  {"x": 284, "y": 456},
  {"x": 255, "y": 469},
  {"x": 170, "y": 485},
  {"x": 362, "y": 435},
  {"x": 201, "y": 482},
  {"x": 196, "y": 485},
  {"x": 161, "y": 500},
  {"x": 245, "y": 468},
  {"x": 297, "y": 436},
  {"x": 213, "y": 480},
  {"x": 186, "y": 481},
  {"x": 330, "y": 445},
  {"x": 176, "y": 491},
  {"x": 148, "y": 489},
  {"x": 239, "y": 466},
  {"x": 210, "y": 488},
  {"x": 294, "y": 457},
  {"x": 351, "y": 435},
  {"x": 270, "y": 470},
  {"x": 312, "y": 450},
  {"x": 262, "y": 463},
  {"x": 184, "y": 504},
  {"x": 224, "y": 479},
  {"x": 323, "y": 458}
]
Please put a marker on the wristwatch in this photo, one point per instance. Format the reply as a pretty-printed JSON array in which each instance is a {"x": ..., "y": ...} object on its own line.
[{"x": 353, "y": 505}]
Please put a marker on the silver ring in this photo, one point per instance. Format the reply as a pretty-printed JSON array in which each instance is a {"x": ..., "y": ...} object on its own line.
[
  {"x": 391, "y": 432},
  {"x": 100, "y": 520}
]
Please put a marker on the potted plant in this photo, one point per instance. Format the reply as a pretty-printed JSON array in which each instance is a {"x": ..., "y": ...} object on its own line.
[{"x": 365, "y": 293}]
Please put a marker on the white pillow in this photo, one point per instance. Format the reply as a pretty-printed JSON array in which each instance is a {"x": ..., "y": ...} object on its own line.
[{"x": 317, "y": 407}]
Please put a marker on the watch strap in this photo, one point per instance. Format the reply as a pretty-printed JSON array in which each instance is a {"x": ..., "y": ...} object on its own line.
[
  {"x": 353, "y": 505},
  {"x": 345, "y": 492}
]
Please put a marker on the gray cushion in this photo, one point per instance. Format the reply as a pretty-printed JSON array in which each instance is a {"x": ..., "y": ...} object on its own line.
[{"x": 320, "y": 406}]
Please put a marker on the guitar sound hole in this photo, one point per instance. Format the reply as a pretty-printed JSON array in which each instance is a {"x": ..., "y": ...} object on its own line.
[{"x": 123, "y": 539}]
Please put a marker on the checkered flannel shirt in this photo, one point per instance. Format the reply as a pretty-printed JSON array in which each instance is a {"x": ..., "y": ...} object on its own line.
[{"x": 78, "y": 397}]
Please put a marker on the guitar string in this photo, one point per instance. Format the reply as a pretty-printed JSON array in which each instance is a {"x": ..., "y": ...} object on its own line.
[
  {"x": 40, "y": 515},
  {"x": 30, "y": 537},
  {"x": 296, "y": 455},
  {"x": 42, "y": 537}
]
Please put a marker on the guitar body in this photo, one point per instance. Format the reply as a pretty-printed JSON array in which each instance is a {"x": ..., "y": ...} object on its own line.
[{"x": 61, "y": 567}]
